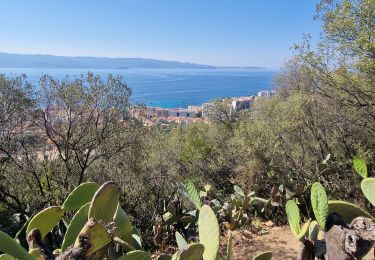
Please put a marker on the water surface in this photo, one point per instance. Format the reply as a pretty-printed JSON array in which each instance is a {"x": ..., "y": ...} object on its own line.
[{"x": 172, "y": 87}]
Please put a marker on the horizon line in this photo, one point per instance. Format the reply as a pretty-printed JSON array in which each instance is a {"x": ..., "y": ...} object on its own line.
[{"x": 155, "y": 59}]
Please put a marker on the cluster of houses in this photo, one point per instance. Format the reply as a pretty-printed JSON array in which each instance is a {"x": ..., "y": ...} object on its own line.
[{"x": 153, "y": 115}]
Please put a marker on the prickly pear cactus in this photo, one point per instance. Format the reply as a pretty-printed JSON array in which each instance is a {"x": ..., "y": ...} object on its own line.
[
  {"x": 45, "y": 220},
  {"x": 313, "y": 230},
  {"x": 9, "y": 246},
  {"x": 93, "y": 237},
  {"x": 304, "y": 231},
  {"x": 123, "y": 225},
  {"x": 6, "y": 257},
  {"x": 104, "y": 203},
  {"x": 75, "y": 226},
  {"x": 292, "y": 212},
  {"x": 181, "y": 242},
  {"x": 192, "y": 194},
  {"x": 209, "y": 233},
  {"x": 319, "y": 202},
  {"x": 368, "y": 189},
  {"x": 192, "y": 252},
  {"x": 81, "y": 195},
  {"x": 360, "y": 167},
  {"x": 347, "y": 211}
]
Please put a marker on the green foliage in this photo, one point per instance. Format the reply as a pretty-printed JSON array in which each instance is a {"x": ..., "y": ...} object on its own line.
[
  {"x": 368, "y": 189},
  {"x": 209, "y": 232},
  {"x": 104, "y": 203},
  {"x": 263, "y": 256},
  {"x": 45, "y": 220},
  {"x": 294, "y": 219},
  {"x": 319, "y": 202},
  {"x": 11, "y": 247},
  {"x": 123, "y": 225},
  {"x": 192, "y": 194},
  {"x": 237, "y": 212},
  {"x": 6, "y": 257},
  {"x": 75, "y": 226},
  {"x": 360, "y": 167},
  {"x": 81, "y": 195}
]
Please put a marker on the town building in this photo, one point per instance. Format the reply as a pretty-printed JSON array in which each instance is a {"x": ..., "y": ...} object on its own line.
[
  {"x": 242, "y": 103},
  {"x": 207, "y": 110},
  {"x": 266, "y": 93}
]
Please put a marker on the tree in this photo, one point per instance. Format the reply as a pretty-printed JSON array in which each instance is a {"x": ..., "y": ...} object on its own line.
[
  {"x": 81, "y": 120},
  {"x": 17, "y": 142}
]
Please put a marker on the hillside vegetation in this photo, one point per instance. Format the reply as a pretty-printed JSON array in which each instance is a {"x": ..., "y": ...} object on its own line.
[{"x": 80, "y": 130}]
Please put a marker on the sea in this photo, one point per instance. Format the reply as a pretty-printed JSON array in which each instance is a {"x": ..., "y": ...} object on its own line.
[{"x": 170, "y": 87}]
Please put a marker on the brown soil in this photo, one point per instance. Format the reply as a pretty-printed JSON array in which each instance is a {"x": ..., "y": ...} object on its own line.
[{"x": 279, "y": 240}]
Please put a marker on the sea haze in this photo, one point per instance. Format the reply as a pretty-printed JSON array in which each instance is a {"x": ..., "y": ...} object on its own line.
[{"x": 169, "y": 87}]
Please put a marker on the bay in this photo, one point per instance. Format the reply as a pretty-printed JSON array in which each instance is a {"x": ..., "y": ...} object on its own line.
[{"x": 171, "y": 87}]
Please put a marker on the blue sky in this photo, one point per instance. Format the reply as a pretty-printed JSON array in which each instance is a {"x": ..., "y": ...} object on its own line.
[{"x": 215, "y": 32}]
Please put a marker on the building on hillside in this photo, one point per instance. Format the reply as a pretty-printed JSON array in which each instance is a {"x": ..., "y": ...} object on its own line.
[
  {"x": 242, "y": 103},
  {"x": 162, "y": 112},
  {"x": 176, "y": 112},
  {"x": 196, "y": 109},
  {"x": 266, "y": 93},
  {"x": 207, "y": 110}
]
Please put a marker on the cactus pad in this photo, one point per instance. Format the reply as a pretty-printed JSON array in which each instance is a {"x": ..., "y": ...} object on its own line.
[
  {"x": 193, "y": 252},
  {"x": 360, "y": 167},
  {"x": 304, "y": 231},
  {"x": 368, "y": 189},
  {"x": 193, "y": 194},
  {"x": 292, "y": 212},
  {"x": 104, "y": 203},
  {"x": 209, "y": 232},
  {"x": 9, "y": 246},
  {"x": 123, "y": 225},
  {"x": 81, "y": 195},
  {"x": 45, "y": 220},
  {"x": 319, "y": 202},
  {"x": 95, "y": 237},
  {"x": 75, "y": 226},
  {"x": 313, "y": 230},
  {"x": 346, "y": 210},
  {"x": 181, "y": 242}
]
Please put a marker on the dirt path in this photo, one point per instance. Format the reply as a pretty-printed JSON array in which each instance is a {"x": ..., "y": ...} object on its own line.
[{"x": 279, "y": 240}]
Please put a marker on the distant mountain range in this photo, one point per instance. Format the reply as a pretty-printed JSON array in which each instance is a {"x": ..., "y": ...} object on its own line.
[{"x": 8, "y": 60}]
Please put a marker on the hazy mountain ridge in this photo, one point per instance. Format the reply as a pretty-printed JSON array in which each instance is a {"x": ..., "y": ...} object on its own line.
[{"x": 8, "y": 60}]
